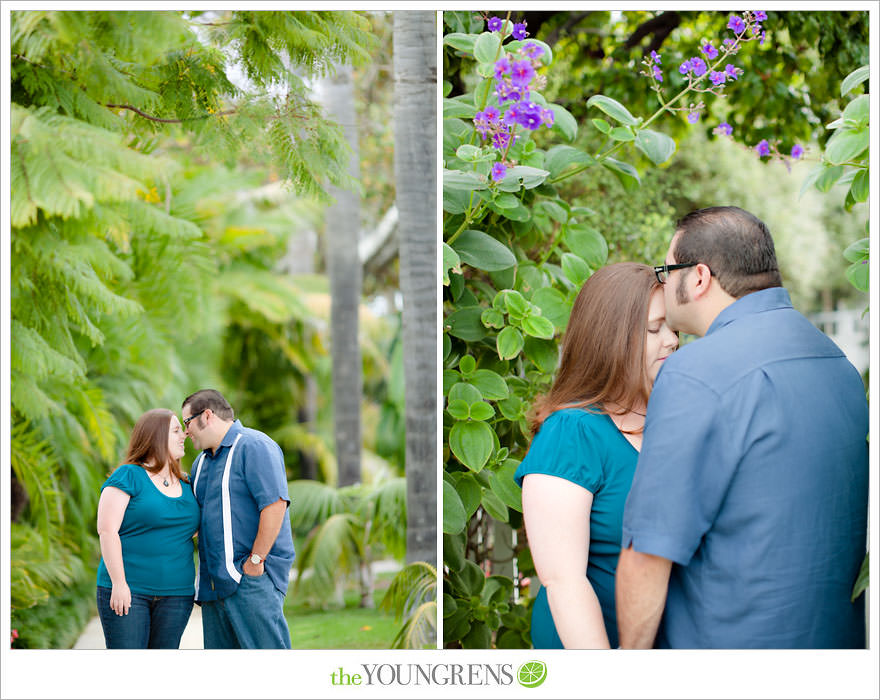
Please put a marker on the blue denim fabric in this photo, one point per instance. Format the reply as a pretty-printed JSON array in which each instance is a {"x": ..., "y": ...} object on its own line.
[
  {"x": 152, "y": 622},
  {"x": 251, "y": 618}
]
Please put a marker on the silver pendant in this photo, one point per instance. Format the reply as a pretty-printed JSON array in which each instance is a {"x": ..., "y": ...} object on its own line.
[{"x": 165, "y": 482}]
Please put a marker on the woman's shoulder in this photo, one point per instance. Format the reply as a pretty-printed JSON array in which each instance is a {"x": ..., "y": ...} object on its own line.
[
  {"x": 586, "y": 417},
  {"x": 126, "y": 477}
]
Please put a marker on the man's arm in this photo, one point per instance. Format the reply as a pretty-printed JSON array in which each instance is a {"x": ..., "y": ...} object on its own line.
[
  {"x": 271, "y": 519},
  {"x": 640, "y": 591}
]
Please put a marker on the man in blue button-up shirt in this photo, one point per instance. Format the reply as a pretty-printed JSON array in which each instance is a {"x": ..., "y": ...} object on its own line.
[
  {"x": 245, "y": 543},
  {"x": 747, "y": 519}
]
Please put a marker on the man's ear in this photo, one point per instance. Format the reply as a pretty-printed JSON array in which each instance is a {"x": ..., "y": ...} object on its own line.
[{"x": 701, "y": 280}]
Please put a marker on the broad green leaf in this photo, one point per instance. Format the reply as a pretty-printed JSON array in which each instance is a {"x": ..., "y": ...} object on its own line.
[
  {"x": 512, "y": 408},
  {"x": 458, "y": 624},
  {"x": 462, "y": 42},
  {"x": 857, "y": 274},
  {"x": 544, "y": 353},
  {"x": 564, "y": 122},
  {"x": 463, "y": 391},
  {"x": 602, "y": 125},
  {"x": 538, "y": 327},
  {"x": 657, "y": 146},
  {"x": 469, "y": 153},
  {"x": 558, "y": 158},
  {"x": 846, "y": 144},
  {"x": 492, "y": 318},
  {"x": 458, "y": 409},
  {"x": 859, "y": 188},
  {"x": 486, "y": 47},
  {"x": 503, "y": 279},
  {"x": 502, "y": 483},
  {"x": 529, "y": 278},
  {"x": 465, "y": 324},
  {"x": 467, "y": 365},
  {"x": 575, "y": 269},
  {"x": 829, "y": 175},
  {"x": 613, "y": 109},
  {"x": 451, "y": 261},
  {"x": 494, "y": 505},
  {"x": 454, "y": 516},
  {"x": 516, "y": 213},
  {"x": 556, "y": 212},
  {"x": 516, "y": 304},
  {"x": 858, "y": 110},
  {"x": 553, "y": 305},
  {"x": 456, "y": 201},
  {"x": 483, "y": 252},
  {"x": 481, "y": 411},
  {"x": 472, "y": 578},
  {"x": 470, "y": 493},
  {"x": 522, "y": 176},
  {"x": 622, "y": 133},
  {"x": 481, "y": 94},
  {"x": 460, "y": 180},
  {"x": 453, "y": 556},
  {"x": 509, "y": 343},
  {"x": 490, "y": 384},
  {"x": 456, "y": 108},
  {"x": 505, "y": 200},
  {"x": 627, "y": 174},
  {"x": 471, "y": 442},
  {"x": 478, "y": 637},
  {"x": 447, "y": 346},
  {"x": 858, "y": 251},
  {"x": 858, "y": 76},
  {"x": 588, "y": 243},
  {"x": 447, "y": 88}
]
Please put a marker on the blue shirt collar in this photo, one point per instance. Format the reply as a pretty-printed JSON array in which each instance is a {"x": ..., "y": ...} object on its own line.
[
  {"x": 234, "y": 430},
  {"x": 753, "y": 303}
]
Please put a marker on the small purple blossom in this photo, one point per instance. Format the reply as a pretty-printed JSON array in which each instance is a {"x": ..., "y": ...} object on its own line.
[
  {"x": 532, "y": 50},
  {"x": 507, "y": 92},
  {"x": 521, "y": 73},
  {"x": 481, "y": 123},
  {"x": 723, "y": 128},
  {"x": 698, "y": 65},
  {"x": 763, "y": 148},
  {"x": 519, "y": 31},
  {"x": 763, "y": 35},
  {"x": 731, "y": 71},
  {"x": 709, "y": 51},
  {"x": 736, "y": 24},
  {"x": 797, "y": 151},
  {"x": 685, "y": 67},
  {"x": 511, "y": 116},
  {"x": 717, "y": 77},
  {"x": 492, "y": 114},
  {"x": 693, "y": 117},
  {"x": 502, "y": 67},
  {"x": 655, "y": 57},
  {"x": 547, "y": 116},
  {"x": 760, "y": 16},
  {"x": 501, "y": 140},
  {"x": 498, "y": 171},
  {"x": 495, "y": 24},
  {"x": 658, "y": 74},
  {"x": 529, "y": 115}
]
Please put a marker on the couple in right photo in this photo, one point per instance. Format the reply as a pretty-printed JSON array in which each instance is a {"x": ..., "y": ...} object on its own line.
[{"x": 654, "y": 437}]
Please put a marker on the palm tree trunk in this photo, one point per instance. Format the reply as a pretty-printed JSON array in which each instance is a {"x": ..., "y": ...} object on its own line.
[
  {"x": 344, "y": 269},
  {"x": 415, "y": 128}
]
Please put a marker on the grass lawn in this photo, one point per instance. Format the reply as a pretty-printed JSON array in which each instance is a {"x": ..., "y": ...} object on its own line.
[{"x": 350, "y": 627}]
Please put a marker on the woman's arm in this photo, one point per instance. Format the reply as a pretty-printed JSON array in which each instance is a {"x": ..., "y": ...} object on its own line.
[
  {"x": 557, "y": 519},
  {"x": 111, "y": 510}
]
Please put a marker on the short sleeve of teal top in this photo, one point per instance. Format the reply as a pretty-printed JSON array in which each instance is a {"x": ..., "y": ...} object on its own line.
[
  {"x": 586, "y": 449},
  {"x": 156, "y": 535}
]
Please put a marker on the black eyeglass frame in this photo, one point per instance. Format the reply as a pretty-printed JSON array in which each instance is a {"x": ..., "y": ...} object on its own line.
[
  {"x": 666, "y": 269},
  {"x": 186, "y": 421}
]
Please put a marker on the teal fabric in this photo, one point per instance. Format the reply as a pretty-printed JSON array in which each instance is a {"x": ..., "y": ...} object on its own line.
[
  {"x": 156, "y": 535},
  {"x": 588, "y": 450}
]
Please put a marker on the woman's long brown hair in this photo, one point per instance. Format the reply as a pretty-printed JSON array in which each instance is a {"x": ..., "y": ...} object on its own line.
[
  {"x": 149, "y": 443},
  {"x": 603, "y": 350}
]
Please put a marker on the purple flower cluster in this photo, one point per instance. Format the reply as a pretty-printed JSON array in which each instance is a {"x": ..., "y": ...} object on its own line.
[
  {"x": 723, "y": 128},
  {"x": 765, "y": 148},
  {"x": 496, "y": 24},
  {"x": 653, "y": 63}
]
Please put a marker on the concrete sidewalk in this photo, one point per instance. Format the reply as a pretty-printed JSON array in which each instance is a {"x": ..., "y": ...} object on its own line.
[{"x": 92, "y": 636}]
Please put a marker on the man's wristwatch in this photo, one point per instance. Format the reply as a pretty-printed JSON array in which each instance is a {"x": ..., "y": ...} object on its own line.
[{"x": 256, "y": 559}]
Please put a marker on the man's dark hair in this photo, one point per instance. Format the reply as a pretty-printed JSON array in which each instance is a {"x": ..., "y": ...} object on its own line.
[
  {"x": 735, "y": 244},
  {"x": 209, "y": 398}
]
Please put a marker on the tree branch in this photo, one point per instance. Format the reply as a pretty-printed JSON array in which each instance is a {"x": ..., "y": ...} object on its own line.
[
  {"x": 659, "y": 27},
  {"x": 169, "y": 121}
]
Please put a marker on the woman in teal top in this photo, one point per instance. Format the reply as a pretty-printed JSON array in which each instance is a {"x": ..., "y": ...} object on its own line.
[
  {"x": 147, "y": 516},
  {"x": 577, "y": 473}
]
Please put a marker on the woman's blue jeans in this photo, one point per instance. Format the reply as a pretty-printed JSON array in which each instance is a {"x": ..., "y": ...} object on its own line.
[{"x": 152, "y": 622}]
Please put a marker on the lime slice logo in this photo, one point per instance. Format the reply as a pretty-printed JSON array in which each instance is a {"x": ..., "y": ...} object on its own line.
[{"x": 531, "y": 674}]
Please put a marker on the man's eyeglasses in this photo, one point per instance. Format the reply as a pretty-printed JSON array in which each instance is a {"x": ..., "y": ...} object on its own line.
[
  {"x": 662, "y": 271},
  {"x": 194, "y": 415}
]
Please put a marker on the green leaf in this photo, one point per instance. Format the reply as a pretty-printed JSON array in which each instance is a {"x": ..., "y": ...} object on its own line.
[
  {"x": 494, "y": 506},
  {"x": 469, "y": 153},
  {"x": 544, "y": 353},
  {"x": 505, "y": 200},
  {"x": 538, "y": 327},
  {"x": 858, "y": 251},
  {"x": 512, "y": 408},
  {"x": 602, "y": 125},
  {"x": 456, "y": 201},
  {"x": 588, "y": 243},
  {"x": 466, "y": 365},
  {"x": 502, "y": 483},
  {"x": 472, "y": 578},
  {"x": 479, "y": 637},
  {"x": 481, "y": 411},
  {"x": 451, "y": 261},
  {"x": 627, "y": 174},
  {"x": 509, "y": 343},
  {"x": 483, "y": 252},
  {"x": 515, "y": 303},
  {"x": 558, "y": 158},
  {"x": 554, "y": 209},
  {"x": 492, "y": 318},
  {"x": 490, "y": 384},
  {"x": 829, "y": 175},
  {"x": 858, "y": 110},
  {"x": 575, "y": 269},
  {"x": 622, "y": 133},
  {"x": 458, "y": 409},
  {"x": 846, "y": 144},
  {"x": 470, "y": 493},
  {"x": 564, "y": 122},
  {"x": 453, "y": 556},
  {"x": 454, "y": 516},
  {"x": 471, "y": 442},
  {"x": 462, "y": 42},
  {"x": 460, "y": 180},
  {"x": 857, "y": 274},
  {"x": 465, "y": 324},
  {"x": 546, "y": 58},
  {"x": 859, "y": 188},
  {"x": 486, "y": 47},
  {"x": 453, "y": 108},
  {"x": 462, "y": 391},
  {"x": 858, "y": 76},
  {"x": 481, "y": 94},
  {"x": 657, "y": 146},
  {"x": 553, "y": 305},
  {"x": 522, "y": 176},
  {"x": 613, "y": 109}
]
